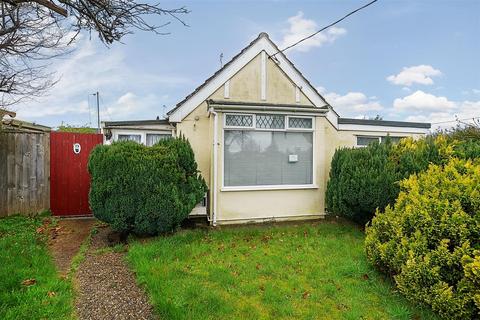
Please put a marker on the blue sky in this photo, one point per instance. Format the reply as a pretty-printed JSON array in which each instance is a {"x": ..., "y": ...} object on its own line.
[{"x": 404, "y": 60}]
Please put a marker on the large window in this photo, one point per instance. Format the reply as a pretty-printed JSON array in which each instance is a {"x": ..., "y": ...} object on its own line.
[{"x": 270, "y": 150}]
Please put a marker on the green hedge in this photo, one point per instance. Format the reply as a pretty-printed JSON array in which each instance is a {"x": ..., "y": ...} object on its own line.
[
  {"x": 430, "y": 240},
  {"x": 145, "y": 190},
  {"x": 364, "y": 179},
  {"x": 360, "y": 181}
]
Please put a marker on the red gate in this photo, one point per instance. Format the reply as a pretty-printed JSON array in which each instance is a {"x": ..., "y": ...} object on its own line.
[{"x": 69, "y": 178}]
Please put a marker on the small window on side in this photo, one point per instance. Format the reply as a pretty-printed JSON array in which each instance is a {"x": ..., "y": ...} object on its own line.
[
  {"x": 129, "y": 137},
  {"x": 153, "y": 138},
  {"x": 365, "y": 141}
]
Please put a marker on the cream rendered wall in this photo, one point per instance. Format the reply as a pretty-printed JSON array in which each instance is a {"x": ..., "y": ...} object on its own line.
[
  {"x": 261, "y": 205},
  {"x": 245, "y": 85},
  {"x": 197, "y": 128}
]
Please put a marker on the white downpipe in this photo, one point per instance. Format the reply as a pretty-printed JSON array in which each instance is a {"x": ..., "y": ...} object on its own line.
[{"x": 215, "y": 153}]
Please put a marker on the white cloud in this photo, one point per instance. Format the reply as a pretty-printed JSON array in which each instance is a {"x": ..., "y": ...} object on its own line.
[
  {"x": 351, "y": 103},
  {"x": 93, "y": 67},
  {"x": 300, "y": 28},
  {"x": 441, "y": 112},
  {"x": 421, "y": 74},
  {"x": 422, "y": 101},
  {"x": 132, "y": 106}
]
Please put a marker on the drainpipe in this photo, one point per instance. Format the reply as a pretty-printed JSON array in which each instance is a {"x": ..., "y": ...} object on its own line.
[{"x": 215, "y": 153}]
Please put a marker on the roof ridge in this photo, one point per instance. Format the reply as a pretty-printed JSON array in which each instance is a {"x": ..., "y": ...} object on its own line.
[{"x": 261, "y": 35}]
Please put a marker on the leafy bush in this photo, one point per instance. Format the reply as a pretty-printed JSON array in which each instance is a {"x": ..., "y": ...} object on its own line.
[
  {"x": 429, "y": 240},
  {"x": 360, "y": 181},
  {"x": 146, "y": 190}
]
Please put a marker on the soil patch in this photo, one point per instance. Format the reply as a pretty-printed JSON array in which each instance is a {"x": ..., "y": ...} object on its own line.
[{"x": 66, "y": 239}]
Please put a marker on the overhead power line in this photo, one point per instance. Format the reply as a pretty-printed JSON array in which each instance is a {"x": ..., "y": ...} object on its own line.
[
  {"x": 325, "y": 28},
  {"x": 456, "y": 120}
]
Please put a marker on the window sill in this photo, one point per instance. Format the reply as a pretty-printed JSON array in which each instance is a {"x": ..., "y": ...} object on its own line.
[{"x": 276, "y": 187}]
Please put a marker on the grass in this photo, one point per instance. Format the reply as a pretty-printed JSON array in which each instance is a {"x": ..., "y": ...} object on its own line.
[
  {"x": 24, "y": 255},
  {"x": 307, "y": 271}
]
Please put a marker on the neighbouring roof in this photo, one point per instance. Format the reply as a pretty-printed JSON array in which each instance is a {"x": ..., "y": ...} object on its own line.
[
  {"x": 109, "y": 124},
  {"x": 385, "y": 123},
  {"x": 23, "y": 126},
  {"x": 4, "y": 112},
  {"x": 262, "y": 35}
]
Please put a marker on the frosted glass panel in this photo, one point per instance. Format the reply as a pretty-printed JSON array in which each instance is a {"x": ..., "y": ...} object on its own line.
[{"x": 255, "y": 158}]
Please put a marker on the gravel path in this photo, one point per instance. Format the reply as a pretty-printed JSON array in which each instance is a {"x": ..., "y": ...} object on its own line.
[{"x": 107, "y": 288}]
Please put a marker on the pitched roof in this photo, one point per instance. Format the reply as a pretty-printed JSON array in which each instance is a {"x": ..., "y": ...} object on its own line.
[{"x": 274, "y": 50}]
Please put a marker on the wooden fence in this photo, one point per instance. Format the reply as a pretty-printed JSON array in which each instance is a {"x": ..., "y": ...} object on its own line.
[{"x": 24, "y": 172}]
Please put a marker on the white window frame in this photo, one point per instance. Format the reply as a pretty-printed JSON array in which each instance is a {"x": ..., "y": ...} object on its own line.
[
  {"x": 141, "y": 133},
  {"x": 312, "y": 185}
]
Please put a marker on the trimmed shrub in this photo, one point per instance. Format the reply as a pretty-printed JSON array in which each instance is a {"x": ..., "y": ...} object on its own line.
[
  {"x": 361, "y": 180},
  {"x": 429, "y": 240},
  {"x": 145, "y": 190}
]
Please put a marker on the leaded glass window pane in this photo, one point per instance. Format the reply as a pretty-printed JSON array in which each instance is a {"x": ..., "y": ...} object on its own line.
[
  {"x": 270, "y": 121},
  {"x": 239, "y": 120},
  {"x": 300, "y": 123}
]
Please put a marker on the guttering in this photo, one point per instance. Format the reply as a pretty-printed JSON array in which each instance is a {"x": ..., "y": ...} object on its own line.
[
  {"x": 215, "y": 153},
  {"x": 300, "y": 110}
]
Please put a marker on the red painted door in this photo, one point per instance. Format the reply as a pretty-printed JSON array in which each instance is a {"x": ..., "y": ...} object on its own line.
[{"x": 69, "y": 178}]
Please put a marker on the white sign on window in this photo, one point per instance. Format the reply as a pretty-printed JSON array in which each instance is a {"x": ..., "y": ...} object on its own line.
[{"x": 293, "y": 158}]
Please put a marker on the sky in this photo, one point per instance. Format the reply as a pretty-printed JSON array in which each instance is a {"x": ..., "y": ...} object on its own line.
[{"x": 402, "y": 60}]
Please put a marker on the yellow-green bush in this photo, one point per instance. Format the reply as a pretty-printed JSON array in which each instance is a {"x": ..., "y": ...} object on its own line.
[{"x": 429, "y": 240}]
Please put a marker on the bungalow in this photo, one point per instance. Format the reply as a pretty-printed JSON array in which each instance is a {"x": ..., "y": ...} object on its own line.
[{"x": 264, "y": 137}]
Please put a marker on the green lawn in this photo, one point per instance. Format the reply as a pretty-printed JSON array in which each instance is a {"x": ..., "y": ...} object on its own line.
[
  {"x": 23, "y": 256},
  {"x": 307, "y": 271}
]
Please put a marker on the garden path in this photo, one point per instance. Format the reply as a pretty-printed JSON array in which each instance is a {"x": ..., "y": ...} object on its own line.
[{"x": 106, "y": 287}]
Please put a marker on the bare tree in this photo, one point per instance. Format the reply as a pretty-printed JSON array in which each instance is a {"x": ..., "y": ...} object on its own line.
[{"x": 33, "y": 31}]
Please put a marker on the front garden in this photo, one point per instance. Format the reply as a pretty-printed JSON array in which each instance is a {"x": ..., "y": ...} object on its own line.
[
  {"x": 304, "y": 271},
  {"x": 411, "y": 252}
]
